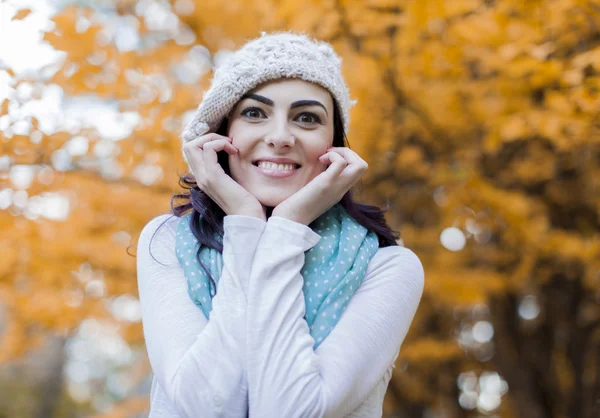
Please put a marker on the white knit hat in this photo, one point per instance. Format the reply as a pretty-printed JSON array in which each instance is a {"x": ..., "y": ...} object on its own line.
[{"x": 269, "y": 57}]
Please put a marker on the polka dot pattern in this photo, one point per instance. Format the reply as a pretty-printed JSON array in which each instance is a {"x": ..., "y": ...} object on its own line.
[
  {"x": 200, "y": 288},
  {"x": 333, "y": 269}
]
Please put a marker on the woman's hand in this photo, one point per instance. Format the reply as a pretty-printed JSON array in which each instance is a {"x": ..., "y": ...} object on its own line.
[
  {"x": 201, "y": 154},
  {"x": 326, "y": 189}
]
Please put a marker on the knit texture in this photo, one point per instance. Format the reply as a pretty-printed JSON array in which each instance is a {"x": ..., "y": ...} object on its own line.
[{"x": 266, "y": 58}]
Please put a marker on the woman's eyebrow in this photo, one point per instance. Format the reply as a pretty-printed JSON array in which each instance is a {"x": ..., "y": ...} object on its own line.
[{"x": 294, "y": 105}]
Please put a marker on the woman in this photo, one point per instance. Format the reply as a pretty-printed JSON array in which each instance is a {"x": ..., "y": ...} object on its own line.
[{"x": 298, "y": 299}]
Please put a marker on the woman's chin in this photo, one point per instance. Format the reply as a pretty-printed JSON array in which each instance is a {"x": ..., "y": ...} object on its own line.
[{"x": 271, "y": 201}]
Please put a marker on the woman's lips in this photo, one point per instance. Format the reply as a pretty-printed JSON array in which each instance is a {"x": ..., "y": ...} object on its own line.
[{"x": 275, "y": 173}]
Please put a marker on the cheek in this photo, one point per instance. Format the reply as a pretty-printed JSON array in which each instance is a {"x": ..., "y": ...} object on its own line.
[
  {"x": 315, "y": 152},
  {"x": 237, "y": 167},
  {"x": 316, "y": 143},
  {"x": 239, "y": 163},
  {"x": 315, "y": 167}
]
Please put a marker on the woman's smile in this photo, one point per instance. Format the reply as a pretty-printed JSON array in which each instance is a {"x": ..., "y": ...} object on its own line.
[
  {"x": 276, "y": 170},
  {"x": 276, "y": 167}
]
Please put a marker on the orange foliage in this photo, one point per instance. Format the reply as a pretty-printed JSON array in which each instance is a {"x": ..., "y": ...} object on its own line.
[{"x": 473, "y": 114}]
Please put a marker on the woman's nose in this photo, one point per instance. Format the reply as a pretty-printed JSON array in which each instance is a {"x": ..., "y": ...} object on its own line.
[{"x": 279, "y": 135}]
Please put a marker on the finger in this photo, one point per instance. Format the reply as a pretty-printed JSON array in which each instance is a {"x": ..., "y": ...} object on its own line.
[
  {"x": 336, "y": 161},
  {"x": 195, "y": 146},
  {"x": 220, "y": 145},
  {"x": 331, "y": 156},
  {"x": 355, "y": 163},
  {"x": 350, "y": 156},
  {"x": 201, "y": 140},
  {"x": 212, "y": 147}
]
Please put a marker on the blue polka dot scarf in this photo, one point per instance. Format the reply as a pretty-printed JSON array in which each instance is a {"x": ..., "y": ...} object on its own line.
[{"x": 333, "y": 269}]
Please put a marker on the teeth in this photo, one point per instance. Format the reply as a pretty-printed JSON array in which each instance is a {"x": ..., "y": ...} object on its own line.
[{"x": 276, "y": 167}]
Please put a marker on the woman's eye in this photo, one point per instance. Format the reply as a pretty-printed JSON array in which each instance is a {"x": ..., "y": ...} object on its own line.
[
  {"x": 252, "y": 112},
  {"x": 309, "y": 118}
]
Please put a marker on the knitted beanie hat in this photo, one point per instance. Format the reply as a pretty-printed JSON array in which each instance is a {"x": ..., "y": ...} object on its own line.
[{"x": 269, "y": 57}]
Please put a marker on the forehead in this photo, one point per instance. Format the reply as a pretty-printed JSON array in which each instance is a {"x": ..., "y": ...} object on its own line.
[{"x": 288, "y": 90}]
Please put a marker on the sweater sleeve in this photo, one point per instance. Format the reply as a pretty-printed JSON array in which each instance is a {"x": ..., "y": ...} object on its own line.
[
  {"x": 286, "y": 377},
  {"x": 198, "y": 363}
]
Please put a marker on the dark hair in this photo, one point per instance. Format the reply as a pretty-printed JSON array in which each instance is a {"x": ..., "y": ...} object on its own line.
[{"x": 204, "y": 228}]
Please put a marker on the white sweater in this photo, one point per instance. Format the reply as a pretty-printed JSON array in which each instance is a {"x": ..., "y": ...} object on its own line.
[{"x": 255, "y": 356}]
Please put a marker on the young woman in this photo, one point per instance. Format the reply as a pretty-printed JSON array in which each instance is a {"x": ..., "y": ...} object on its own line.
[{"x": 277, "y": 295}]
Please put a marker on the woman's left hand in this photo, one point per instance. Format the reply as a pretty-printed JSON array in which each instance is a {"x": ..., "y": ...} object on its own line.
[{"x": 326, "y": 189}]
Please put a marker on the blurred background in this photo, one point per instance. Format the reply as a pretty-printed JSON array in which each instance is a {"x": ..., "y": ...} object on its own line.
[{"x": 480, "y": 120}]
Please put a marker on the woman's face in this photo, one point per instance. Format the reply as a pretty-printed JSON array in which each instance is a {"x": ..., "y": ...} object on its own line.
[{"x": 288, "y": 120}]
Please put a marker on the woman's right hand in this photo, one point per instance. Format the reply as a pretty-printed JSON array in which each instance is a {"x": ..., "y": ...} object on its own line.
[{"x": 201, "y": 154}]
